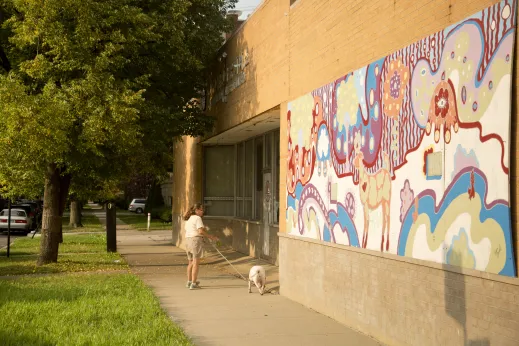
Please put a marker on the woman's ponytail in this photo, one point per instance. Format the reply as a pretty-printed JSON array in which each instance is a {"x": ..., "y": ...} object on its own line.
[{"x": 192, "y": 211}]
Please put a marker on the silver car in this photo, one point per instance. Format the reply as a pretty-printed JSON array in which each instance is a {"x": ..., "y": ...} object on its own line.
[
  {"x": 20, "y": 221},
  {"x": 137, "y": 205}
]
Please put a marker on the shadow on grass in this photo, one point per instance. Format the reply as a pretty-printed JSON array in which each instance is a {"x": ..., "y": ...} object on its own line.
[
  {"x": 17, "y": 290},
  {"x": 26, "y": 268},
  {"x": 3, "y": 253},
  {"x": 21, "y": 339},
  {"x": 70, "y": 263}
]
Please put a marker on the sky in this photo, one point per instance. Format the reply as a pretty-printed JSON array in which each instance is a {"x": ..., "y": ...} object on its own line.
[{"x": 246, "y": 6}]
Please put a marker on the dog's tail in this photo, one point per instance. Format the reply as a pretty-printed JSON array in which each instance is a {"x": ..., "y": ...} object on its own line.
[{"x": 257, "y": 273}]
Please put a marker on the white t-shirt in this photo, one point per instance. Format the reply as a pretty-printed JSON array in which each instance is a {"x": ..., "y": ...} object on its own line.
[{"x": 192, "y": 225}]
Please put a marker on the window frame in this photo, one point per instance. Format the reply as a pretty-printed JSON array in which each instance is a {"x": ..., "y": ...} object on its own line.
[{"x": 240, "y": 154}]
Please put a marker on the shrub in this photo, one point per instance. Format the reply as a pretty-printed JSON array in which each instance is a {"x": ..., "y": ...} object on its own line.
[
  {"x": 166, "y": 214},
  {"x": 162, "y": 213},
  {"x": 121, "y": 203}
]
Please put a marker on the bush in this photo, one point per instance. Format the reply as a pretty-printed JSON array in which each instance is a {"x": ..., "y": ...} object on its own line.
[
  {"x": 162, "y": 213},
  {"x": 121, "y": 203},
  {"x": 155, "y": 200},
  {"x": 166, "y": 214}
]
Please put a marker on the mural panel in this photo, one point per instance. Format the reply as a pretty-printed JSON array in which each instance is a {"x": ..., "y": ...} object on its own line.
[{"x": 410, "y": 154}]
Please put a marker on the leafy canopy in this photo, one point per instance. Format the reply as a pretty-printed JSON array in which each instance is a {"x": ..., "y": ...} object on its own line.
[{"x": 101, "y": 87}]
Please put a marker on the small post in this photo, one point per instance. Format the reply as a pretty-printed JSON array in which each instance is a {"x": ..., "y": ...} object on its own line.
[
  {"x": 8, "y": 226},
  {"x": 149, "y": 219},
  {"x": 111, "y": 237}
]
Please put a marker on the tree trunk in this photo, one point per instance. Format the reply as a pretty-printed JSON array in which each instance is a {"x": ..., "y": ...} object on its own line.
[
  {"x": 75, "y": 214},
  {"x": 51, "y": 234}
]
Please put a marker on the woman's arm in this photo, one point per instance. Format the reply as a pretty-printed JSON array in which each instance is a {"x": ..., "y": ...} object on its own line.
[{"x": 203, "y": 232}]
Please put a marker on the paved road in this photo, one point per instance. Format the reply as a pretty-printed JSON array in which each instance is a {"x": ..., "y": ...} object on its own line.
[{"x": 3, "y": 238}]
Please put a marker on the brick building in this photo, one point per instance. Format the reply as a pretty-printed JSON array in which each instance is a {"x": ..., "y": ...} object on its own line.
[{"x": 369, "y": 150}]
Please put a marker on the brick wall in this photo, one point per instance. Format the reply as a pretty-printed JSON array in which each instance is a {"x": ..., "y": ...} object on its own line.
[
  {"x": 400, "y": 301},
  {"x": 328, "y": 39},
  {"x": 264, "y": 35}
]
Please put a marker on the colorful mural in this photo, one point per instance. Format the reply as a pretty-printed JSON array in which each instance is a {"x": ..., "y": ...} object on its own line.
[{"x": 410, "y": 154}]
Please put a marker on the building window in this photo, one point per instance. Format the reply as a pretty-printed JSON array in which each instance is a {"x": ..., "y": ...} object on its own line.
[
  {"x": 219, "y": 180},
  {"x": 235, "y": 176},
  {"x": 258, "y": 168},
  {"x": 248, "y": 178},
  {"x": 275, "y": 192},
  {"x": 240, "y": 173}
]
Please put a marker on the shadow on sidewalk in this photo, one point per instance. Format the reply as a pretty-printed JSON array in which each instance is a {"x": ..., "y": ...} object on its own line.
[{"x": 241, "y": 263}]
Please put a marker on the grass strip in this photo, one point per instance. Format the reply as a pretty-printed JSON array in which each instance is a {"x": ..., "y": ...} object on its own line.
[
  {"x": 77, "y": 253},
  {"x": 140, "y": 222},
  {"x": 90, "y": 309},
  {"x": 90, "y": 223}
]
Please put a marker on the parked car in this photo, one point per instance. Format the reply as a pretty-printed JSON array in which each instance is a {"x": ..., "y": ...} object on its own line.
[
  {"x": 30, "y": 210},
  {"x": 36, "y": 206},
  {"x": 20, "y": 221},
  {"x": 137, "y": 205}
]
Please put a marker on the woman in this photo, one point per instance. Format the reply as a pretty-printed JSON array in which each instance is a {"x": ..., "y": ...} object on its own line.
[{"x": 195, "y": 232}]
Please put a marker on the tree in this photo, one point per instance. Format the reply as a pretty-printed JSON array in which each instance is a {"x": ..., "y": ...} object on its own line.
[
  {"x": 99, "y": 86},
  {"x": 75, "y": 212}
]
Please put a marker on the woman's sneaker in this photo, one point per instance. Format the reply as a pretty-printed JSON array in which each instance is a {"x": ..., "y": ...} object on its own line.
[
  {"x": 194, "y": 285},
  {"x": 188, "y": 285}
]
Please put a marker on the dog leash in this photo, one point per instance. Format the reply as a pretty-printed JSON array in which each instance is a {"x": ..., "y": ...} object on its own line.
[
  {"x": 267, "y": 290},
  {"x": 236, "y": 270}
]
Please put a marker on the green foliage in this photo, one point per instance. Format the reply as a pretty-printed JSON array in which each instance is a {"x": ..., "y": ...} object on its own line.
[
  {"x": 155, "y": 199},
  {"x": 90, "y": 309},
  {"x": 90, "y": 223},
  {"x": 121, "y": 203},
  {"x": 101, "y": 88},
  {"x": 166, "y": 214}
]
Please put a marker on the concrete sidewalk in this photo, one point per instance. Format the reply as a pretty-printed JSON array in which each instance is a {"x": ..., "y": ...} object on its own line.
[{"x": 222, "y": 312}]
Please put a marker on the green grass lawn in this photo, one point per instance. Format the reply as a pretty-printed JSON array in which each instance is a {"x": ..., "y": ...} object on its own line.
[
  {"x": 78, "y": 253},
  {"x": 90, "y": 224},
  {"x": 89, "y": 309},
  {"x": 140, "y": 222}
]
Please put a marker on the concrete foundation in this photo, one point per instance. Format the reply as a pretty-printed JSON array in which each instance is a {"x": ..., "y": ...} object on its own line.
[{"x": 400, "y": 301}]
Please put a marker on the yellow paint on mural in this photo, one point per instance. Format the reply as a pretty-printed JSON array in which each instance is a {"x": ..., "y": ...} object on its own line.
[
  {"x": 347, "y": 103},
  {"x": 460, "y": 254},
  {"x": 301, "y": 120},
  {"x": 489, "y": 229},
  {"x": 309, "y": 219}
]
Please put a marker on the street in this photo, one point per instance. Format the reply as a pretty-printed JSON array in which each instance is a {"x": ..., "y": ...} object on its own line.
[{"x": 3, "y": 238}]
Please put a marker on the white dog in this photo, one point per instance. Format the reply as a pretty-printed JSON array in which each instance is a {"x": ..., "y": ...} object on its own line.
[{"x": 258, "y": 277}]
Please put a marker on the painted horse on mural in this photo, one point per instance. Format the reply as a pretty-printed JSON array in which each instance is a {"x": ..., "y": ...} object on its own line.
[{"x": 374, "y": 191}]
